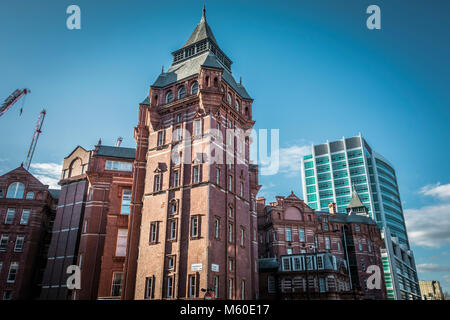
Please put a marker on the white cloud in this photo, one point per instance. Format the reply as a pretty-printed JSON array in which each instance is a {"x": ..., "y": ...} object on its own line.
[
  {"x": 431, "y": 267},
  {"x": 290, "y": 159},
  {"x": 437, "y": 190},
  {"x": 47, "y": 173},
  {"x": 429, "y": 226}
]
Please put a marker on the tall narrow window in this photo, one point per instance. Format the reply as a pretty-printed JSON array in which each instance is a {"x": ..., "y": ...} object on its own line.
[
  {"x": 192, "y": 286},
  {"x": 242, "y": 289},
  {"x": 194, "y": 227},
  {"x": 194, "y": 88},
  {"x": 360, "y": 245},
  {"x": 153, "y": 232},
  {"x": 178, "y": 133},
  {"x": 230, "y": 183},
  {"x": 10, "y": 216},
  {"x": 13, "y": 268},
  {"x": 169, "y": 97},
  {"x": 25, "y": 216},
  {"x": 126, "y": 201},
  {"x": 197, "y": 128},
  {"x": 242, "y": 189},
  {"x": 121, "y": 246},
  {"x": 301, "y": 235},
  {"x": 173, "y": 230},
  {"x": 195, "y": 175},
  {"x": 230, "y": 233},
  {"x": 327, "y": 243},
  {"x": 230, "y": 212},
  {"x": 288, "y": 234},
  {"x": 157, "y": 185},
  {"x": 242, "y": 237},
  {"x": 170, "y": 262},
  {"x": 175, "y": 178},
  {"x": 230, "y": 264},
  {"x": 148, "y": 288},
  {"x": 160, "y": 138},
  {"x": 217, "y": 228},
  {"x": 230, "y": 288},
  {"x": 169, "y": 287},
  {"x": 181, "y": 93},
  {"x": 216, "y": 287},
  {"x": 19, "y": 244},
  {"x": 4, "y": 242},
  {"x": 116, "y": 288},
  {"x": 217, "y": 176},
  {"x": 173, "y": 207}
]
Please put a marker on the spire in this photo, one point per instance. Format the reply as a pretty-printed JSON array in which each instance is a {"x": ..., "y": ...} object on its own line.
[
  {"x": 203, "y": 14},
  {"x": 355, "y": 205}
]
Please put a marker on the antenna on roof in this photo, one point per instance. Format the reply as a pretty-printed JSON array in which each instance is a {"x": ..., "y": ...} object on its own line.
[
  {"x": 162, "y": 70},
  {"x": 240, "y": 80},
  {"x": 118, "y": 142}
]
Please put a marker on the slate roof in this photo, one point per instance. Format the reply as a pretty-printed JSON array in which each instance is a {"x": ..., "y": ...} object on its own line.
[
  {"x": 54, "y": 193},
  {"x": 117, "y": 152},
  {"x": 346, "y": 218},
  {"x": 355, "y": 202},
  {"x": 201, "y": 32}
]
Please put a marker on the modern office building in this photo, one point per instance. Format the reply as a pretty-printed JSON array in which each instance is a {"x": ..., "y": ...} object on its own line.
[
  {"x": 329, "y": 174},
  {"x": 431, "y": 290}
]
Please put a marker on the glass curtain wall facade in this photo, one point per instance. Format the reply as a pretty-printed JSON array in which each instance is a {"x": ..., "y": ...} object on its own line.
[{"x": 329, "y": 174}]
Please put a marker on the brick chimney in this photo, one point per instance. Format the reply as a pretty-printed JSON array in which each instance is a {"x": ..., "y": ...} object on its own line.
[{"x": 332, "y": 208}]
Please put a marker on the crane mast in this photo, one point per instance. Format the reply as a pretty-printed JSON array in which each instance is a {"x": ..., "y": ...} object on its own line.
[{"x": 36, "y": 134}]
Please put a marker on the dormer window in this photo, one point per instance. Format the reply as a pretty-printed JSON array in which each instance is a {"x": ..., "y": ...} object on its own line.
[
  {"x": 181, "y": 93},
  {"x": 229, "y": 99},
  {"x": 194, "y": 88},
  {"x": 169, "y": 97}
]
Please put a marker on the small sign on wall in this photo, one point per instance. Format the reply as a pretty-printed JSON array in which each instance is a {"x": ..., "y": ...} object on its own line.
[
  {"x": 215, "y": 267},
  {"x": 196, "y": 267}
]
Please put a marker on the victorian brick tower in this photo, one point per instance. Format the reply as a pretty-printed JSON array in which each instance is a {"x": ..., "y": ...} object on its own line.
[{"x": 193, "y": 220}]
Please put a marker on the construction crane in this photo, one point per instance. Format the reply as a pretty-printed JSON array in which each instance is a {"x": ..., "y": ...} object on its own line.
[
  {"x": 36, "y": 134},
  {"x": 12, "y": 99},
  {"x": 118, "y": 142}
]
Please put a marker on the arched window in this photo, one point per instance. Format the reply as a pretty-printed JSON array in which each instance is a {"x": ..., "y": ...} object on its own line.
[
  {"x": 75, "y": 168},
  {"x": 238, "y": 107},
  {"x": 181, "y": 93},
  {"x": 194, "y": 88},
  {"x": 15, "y": 190},
  {"x": 169, "y": 97},
  {"x": 216, "y": 82},
  {"x": 207, "y": 81},
  {"x": 229, "y": 99}
]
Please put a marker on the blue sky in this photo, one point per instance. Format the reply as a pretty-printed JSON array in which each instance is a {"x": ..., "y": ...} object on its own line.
[{"x": 314, "y": 69}]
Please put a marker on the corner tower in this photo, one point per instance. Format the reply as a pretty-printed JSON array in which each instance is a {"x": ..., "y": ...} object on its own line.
[{"x": 193, "y": 218}]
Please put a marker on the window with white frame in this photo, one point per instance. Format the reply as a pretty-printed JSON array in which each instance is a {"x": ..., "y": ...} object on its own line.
[
  {"x": 195, "y": 175},
  {"x": 289, "y": 251},
  {"x": 169, "y": 97},
  {"x": 9, "y": 219},
  {"x": 301, "y": 235},
  {"x": 160, "y": 138},
  {"x": 118, "y": 165},
  {"x": 116, "y": 287},
  {"x": 177, "y": 133},
  {"x": 121, "y": 246},
  {"x": 148, "y": 287},
  {"x": 4, "y": 240},
  {"x": 19, "y": 244},
  {"x": 288, "y": 234},
  {"x": 126, "y": 201},
  {"x": 194, "y": 88},
  {"x": 230, "y": 183},
  {"x": 360, "y": 245},
  {"x": 286, "y": 263},
  {"x": 229, "y": 99},
  {"x": 197, "y": 127},
  {"x": 242, "y": 236},
  {"x": 181, "y": 92},
  {"x": 230, "y": 233},
  {"x": 176, "y": 178},
  {"x": 217, "y": 176},
  {"x": 15, "y": 190},
  {"x": 320, "y": 262},
  {"x": 194, "y": 227},
  {"x": 157, "y": 184},
  {"x": 153, "y": 232},
  {"x": 170, "y": 262},
  {"x": 242, "y": 189},
  {"x": 173, "y": 207},
  {"x": 169, "y": 287},
  {"x": 192, "y": 286},
  {"x": 13, "y": 269},
  {"x": 217, "y": 228},
  {"x": 327, "y": 243},
  {"x": 172, "y": 229}
]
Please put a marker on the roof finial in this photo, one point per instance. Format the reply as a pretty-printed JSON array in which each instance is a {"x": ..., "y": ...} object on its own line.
[
  {"x": 204, "y": 13},
  {"x": 240, "y": 80},
  {"x": 162, "y": 70}
]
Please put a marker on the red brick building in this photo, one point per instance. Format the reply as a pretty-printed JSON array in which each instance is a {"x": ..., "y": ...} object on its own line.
[
  {"x": 193, "y": 216},
  {"x": 306, "y": 254},
  {"x": 104, "y": 229},
  {"x": 27, "y": 212}
]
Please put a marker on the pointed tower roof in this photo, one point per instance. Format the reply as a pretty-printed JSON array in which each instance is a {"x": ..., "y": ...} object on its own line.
[
  {"x": 355, "y": 205},
  {"x": 201, "y": 32}
]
